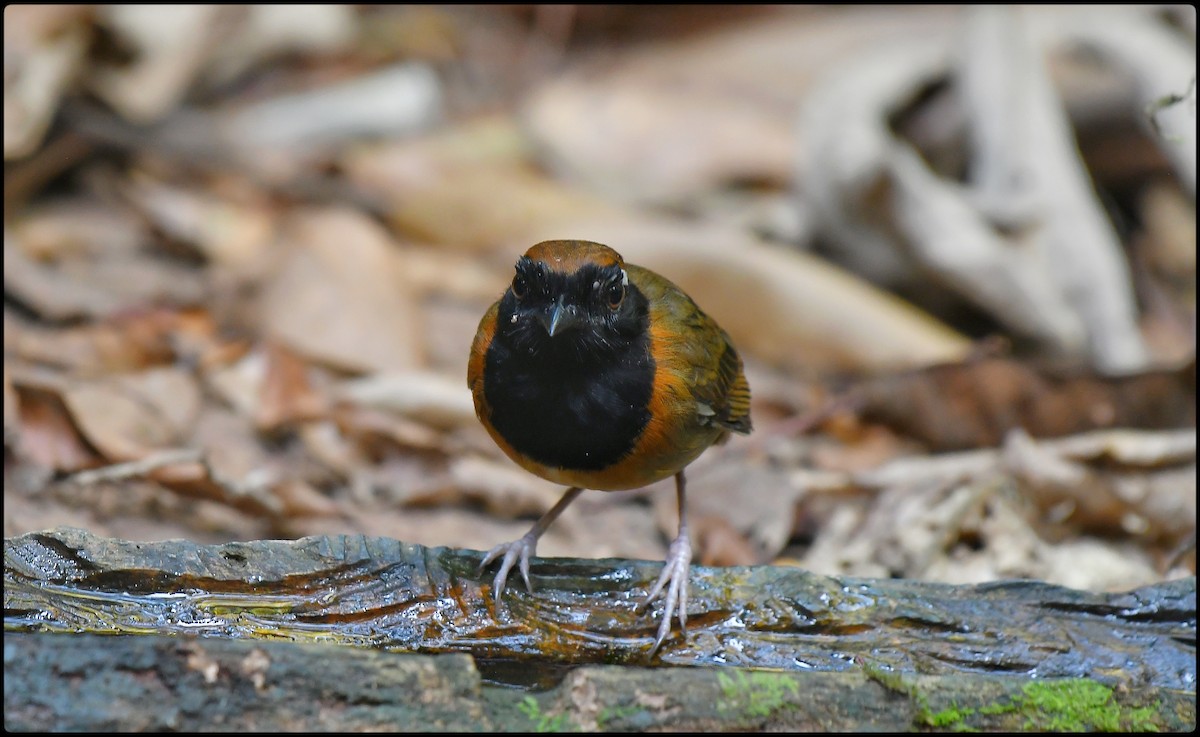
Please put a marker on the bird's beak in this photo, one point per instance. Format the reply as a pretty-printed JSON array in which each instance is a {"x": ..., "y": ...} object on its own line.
[{"x": 559, "y": 318}]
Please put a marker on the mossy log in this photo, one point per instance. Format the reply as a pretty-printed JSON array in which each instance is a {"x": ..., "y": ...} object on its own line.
[
  {"x": 193, "y": 684},
  {"x": 842, "y": 653}
]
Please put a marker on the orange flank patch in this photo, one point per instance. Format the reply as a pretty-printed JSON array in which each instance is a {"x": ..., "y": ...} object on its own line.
[{"x": 479, "y": 349}]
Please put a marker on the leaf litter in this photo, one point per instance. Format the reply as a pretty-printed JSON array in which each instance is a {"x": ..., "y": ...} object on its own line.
[{"x": 245, "y": 256}]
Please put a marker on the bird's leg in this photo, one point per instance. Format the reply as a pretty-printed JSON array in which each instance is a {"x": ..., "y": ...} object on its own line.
[
  {"x": 674, "y": 574},
  {"x": 521, "y": 550}
]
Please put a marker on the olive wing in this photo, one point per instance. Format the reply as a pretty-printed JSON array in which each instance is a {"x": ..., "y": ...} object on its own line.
[{"x": 694, "y": 343}]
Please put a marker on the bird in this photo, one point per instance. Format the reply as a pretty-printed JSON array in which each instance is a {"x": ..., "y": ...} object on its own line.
[{"x": 598, "y": 374}]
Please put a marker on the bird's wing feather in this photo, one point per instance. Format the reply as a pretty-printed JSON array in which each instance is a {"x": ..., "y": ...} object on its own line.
[{"x": 698, "y": 345}]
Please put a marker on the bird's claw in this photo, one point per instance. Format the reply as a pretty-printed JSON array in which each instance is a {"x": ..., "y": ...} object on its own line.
[
  {"x": 517, "y": 551},
  {"x": 674, "y": 577}
]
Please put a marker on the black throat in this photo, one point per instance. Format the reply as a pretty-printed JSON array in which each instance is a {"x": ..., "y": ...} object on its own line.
[{"x": 579, "y": 400}]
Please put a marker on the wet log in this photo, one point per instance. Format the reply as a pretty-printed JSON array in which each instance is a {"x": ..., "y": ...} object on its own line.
[
  {"x": 900, "y": 653},
  {"x": 154, "y": 682}
]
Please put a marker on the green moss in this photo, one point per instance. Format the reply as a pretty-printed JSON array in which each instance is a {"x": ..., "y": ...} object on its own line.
[
  {"x": 609, "y": 713},
  {"x": 530, "y": 707},
  {"x": 1080, "y": 704},
  {"x": 1069, "y": 705},
  {"x": 1061, "y": 705},
  {"x": 889, "y": 679},
  {"x": 759, "y": 694},
  {"x": 997, "y": 709}
]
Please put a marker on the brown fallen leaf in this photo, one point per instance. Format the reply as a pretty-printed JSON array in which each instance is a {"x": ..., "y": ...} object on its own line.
[
  {"x": 127, "y": 341},
  {"x": 1117, "y": 482},
  {"x": 12, "y": 411},
  {"x": 47, "y": 435},
  {"x": 298, "y": 498},
  {"x": 169, "y": 45},
  {"x": 129, "y": 416},
  {"x": 434, "y": 399},
  {"x": 77, "y": 226},
  {"x": 327, "y": 444},
  {"x": 45, "y": 47},
  {"x": 718, "y": 543},
  {"x": 233, "y": 468},
  {"x": 340, "y": 296},
  {"x": 1122, "y": 483},
  {"x": 974, "y": 404},
  {"x": 287, "y": 394},
  {"x": 444, "y": 272},
  {"x": 79, "y": 286},
  {"x": 232, "y": 226},
  {"x": 503, "y": 489},
  {"x": 858, "y": 446},
  {"x": 379, "y": 432},
  {"x": 48, "y": 291},
  {"x": 443, "y": 188},
  {"x": 668, "y": 120},
  {"x": 965, "y": 531}
]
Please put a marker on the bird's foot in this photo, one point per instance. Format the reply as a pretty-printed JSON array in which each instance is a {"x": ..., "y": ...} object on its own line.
[
  {"x": 675, "y": 578},
  {"x": 516, "y": 552}
]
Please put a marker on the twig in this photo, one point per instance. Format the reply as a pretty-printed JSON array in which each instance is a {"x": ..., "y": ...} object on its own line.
[
  {"x": 254, "y": 488},
  {"x": 140, "y": 467}
]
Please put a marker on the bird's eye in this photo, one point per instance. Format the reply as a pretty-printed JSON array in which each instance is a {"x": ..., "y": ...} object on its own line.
[
  {"x": 615, "y": 294},
  {"x": 519, "y": 286}
]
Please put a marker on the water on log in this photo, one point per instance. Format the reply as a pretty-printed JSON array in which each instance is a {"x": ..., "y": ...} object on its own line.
[{"x": 392, "y": 598}]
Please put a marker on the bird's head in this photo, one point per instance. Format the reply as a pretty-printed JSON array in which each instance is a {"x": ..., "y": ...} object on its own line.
[{"x": 572, "y": 297}]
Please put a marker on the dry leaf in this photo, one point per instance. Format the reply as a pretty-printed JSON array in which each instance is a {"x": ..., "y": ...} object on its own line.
[
  {"x": 100, "y": 287},
  {"x": 974, "y": 404},
  {"x": 326, "y": 443},
  {"x": 126, "y": 342},
  {"x": 44, "y": 48},
  {"x": 234, "y": 470},
  {"x": 240, "y": 383},
  {"x": 718, "y": 543},
  {"x": 505, "y": 490},
  {"x": 674, "y": 119},
  {"x": 48, "y": 437},
  {"x": 48, "y": 291},
  {"x": 374, "y": 429},
  {"x": 269, "y": 31},
  {"x": 169, "y": 45},
  {"x": 234, "y": 235},
  {"x": 389, "y": 101},
  {"x": 647, "y": 136},
  {"x": 129, "y": 416},
  {"x": 340, "y": 296},
  {"x": 298, "y": 498},
  {"x": 12, "y": 411},
  {"x": 433, "y": 399},
  {"x": 447, "y": 188},
  {"x": 76, "y": 227},
  {"x": 287, "y": 394}
]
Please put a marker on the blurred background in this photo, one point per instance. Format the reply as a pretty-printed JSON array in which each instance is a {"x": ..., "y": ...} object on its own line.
[{"x": 246, "y": 249}]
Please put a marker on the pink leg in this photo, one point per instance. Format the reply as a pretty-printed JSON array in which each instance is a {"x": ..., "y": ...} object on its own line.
[
  {"x": 674, "y": 573},
  {"x": 522, "y": 550}
]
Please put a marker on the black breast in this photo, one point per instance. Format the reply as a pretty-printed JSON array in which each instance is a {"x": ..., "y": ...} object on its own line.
[{"x": 565, "y": 408}]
